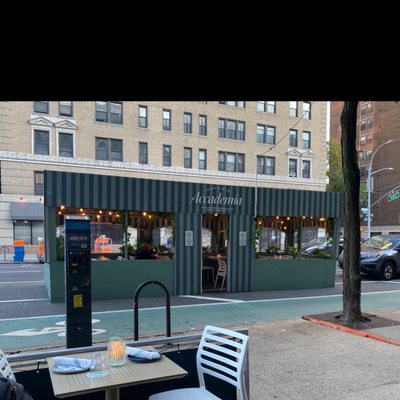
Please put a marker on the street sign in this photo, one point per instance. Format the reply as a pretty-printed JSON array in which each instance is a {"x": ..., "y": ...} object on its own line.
[{"x": 393, "y": 196}]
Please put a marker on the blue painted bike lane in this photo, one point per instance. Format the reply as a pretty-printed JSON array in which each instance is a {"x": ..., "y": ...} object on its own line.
[{"x": 37, "y": 332}]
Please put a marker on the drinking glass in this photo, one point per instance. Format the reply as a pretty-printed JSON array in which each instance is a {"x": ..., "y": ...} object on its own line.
[{"x": 98, "y": 365}]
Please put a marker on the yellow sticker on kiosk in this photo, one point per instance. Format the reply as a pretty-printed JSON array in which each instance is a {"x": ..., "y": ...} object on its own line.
[{"x": 77, "y": 301}]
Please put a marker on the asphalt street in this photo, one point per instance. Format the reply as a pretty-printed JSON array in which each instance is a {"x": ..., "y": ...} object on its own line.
[{"x": 29, "y": 320}]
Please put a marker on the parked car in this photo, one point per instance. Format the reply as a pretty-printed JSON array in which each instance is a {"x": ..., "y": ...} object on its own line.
[
  {"x": 380, "y": 256},
  {"x": 326, "y": 246}
]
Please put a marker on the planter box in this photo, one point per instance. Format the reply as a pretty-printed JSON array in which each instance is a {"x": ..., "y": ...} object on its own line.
[
  {"x": 294, "y": 274},
  {"x": 115, "y": 279}
]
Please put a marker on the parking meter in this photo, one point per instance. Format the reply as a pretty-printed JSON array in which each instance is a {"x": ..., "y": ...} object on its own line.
[{"x": 78, "y": 284}]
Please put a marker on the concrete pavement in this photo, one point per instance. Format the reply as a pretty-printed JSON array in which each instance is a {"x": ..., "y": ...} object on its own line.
[{"x": 298, "y": 359}]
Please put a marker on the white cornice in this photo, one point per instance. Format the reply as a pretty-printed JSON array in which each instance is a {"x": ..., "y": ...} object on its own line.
[
  {"x": 45, "y": 120},
  {"x": 153, "y": 169},
  {"x": 300, "y": 153}
]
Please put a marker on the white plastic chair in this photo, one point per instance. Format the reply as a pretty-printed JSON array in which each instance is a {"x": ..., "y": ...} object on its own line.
[
  {"x": 5, "y": 369},
  {"x": 221, "y": 272},
  {"x": 227, "y": 365}
]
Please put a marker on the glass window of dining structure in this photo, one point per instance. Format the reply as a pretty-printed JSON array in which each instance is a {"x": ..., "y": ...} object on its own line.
[
  {"x": 110, "y": 228},
  {"x": 282, "y": 237}
]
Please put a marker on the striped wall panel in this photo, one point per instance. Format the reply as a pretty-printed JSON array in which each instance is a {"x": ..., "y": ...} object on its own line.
[
  {"x": 240, "y": 258},
  {"x": 290, "y": 202},
  {"x": 188, "y": 260},
  {"x": 121, "y": 193}
]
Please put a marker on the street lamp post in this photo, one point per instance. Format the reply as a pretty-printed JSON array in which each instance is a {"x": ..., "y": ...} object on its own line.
[{"x": 369, "y": 183}]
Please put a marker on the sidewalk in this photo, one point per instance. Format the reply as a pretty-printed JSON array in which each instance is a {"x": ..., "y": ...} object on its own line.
[
  {"x": 299, "y": 359},
  {"x": 9, "y": 259}
]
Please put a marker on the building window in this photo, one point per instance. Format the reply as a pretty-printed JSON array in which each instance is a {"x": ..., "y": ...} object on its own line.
[
  {"x": 293, "y": 108},
  {"x": 143, "y": 157},
  {"x": 240, "y": 104},
  {"x": 265, "y": 165},
  {"x": 41, "y": 142},
  {"x": 202, "y": 159},
  {"x": 203, "y": 125},
  {"x": 230, "y": 129},
  {"x": 39, "y": 183},
  {"x": 267, "y": 106},
  {"x": 109, "y": 111},
  {"x": 370, "y": 123},
  {"x": 108, "y": 149},
  {"x": 187, "y": 122},
  {"x": 41, "y": 107},
  {"x": 166, "y": 155},
  {"x": 293, "y": 138},
  {"x": 166, "y": 120},
  {"x": 187, "y": 157},
  {"x": 65, "y": 108},
  {"x": 28, "y": 231},
  {"x": 266, "y": 134},
  {"x": 142, "y": 116},
  {"x": 306, "y": 140},
  {"x": 363, "y": 109},
  {"x": 367, "y": 108},
  {"x": 65, "y": 144},
  {"x": 230, "y": 162},
  {"x": 292, "y": 167},
  {"x": 306, "y": 169},
  {"x": 306, "y": 109}
]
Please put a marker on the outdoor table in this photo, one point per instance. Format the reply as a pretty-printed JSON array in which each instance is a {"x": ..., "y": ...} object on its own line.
[{"x": 131, "y": 373}]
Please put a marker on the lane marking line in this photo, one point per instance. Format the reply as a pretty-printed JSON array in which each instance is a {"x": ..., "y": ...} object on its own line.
[
  {"x": 199, "y": 305},
  {"x": 22, "y": 300},
  {"x": 20, "y": 272},
  {"x": 212, "y": 298},
  {"x": 7, "y": 282}
]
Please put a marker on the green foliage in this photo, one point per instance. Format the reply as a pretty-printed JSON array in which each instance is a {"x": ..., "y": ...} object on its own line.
[
  {"x": 257, "y": 231},
  {"x": 131, "y": 249},
  {"x": 60, "y": 248},
  {"x": 272, "y": 250},
  {"x": 292, "y": 251},
  {"x": 319, "y": 253},
  {"x": 330, "y": 226},
  {"x": 335, "y": 171},
  {"x": 363, "y": 191}
]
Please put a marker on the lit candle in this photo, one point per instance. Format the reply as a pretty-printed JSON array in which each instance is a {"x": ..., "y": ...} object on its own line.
[{"x": 116, "y": 351}]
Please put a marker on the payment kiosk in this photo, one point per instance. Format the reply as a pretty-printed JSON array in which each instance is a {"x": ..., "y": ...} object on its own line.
[{"x": 78, "y": 284}]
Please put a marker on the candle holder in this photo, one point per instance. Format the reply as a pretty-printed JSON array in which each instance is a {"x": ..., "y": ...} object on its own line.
[{"x": 116, "y": 352}]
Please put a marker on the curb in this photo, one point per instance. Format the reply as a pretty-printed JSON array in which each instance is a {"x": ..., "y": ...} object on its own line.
[{"x": 351, "y": 330}]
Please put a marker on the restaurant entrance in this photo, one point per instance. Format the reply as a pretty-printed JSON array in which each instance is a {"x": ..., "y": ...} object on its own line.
[{"x": 215, "y": 246}]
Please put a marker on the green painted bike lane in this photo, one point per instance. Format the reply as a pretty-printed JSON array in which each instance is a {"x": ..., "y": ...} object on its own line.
[{"x": 37, "y": 332}]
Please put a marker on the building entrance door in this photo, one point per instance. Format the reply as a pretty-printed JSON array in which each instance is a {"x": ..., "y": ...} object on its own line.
[{"x": 215, "y": 245}]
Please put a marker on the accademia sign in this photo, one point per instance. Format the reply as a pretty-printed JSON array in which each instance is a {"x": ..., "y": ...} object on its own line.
[{"x": 217, "y": 201}]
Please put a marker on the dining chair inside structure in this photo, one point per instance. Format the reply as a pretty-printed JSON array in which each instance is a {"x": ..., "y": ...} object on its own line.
[
  {"x": 222, "y": 353},
  {"x": 221, "y": 272},
  {"x": 5, "y": 368}
]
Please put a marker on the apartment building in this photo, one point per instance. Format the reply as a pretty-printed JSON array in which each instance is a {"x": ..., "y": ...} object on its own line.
[
  {"x": 378, "y": 145},
  {"x": 266, "y": 144}
]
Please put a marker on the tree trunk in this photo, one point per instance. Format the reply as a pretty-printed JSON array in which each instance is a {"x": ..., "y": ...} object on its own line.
[{"x": 351, "y": 174}]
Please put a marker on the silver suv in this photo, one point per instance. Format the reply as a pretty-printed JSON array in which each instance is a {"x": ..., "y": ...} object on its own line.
[{"x": 380, "y": 256}]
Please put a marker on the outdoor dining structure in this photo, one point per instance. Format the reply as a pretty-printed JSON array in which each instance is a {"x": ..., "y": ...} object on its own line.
[{"x": 266, "y": 236}]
